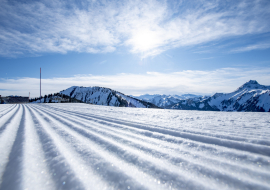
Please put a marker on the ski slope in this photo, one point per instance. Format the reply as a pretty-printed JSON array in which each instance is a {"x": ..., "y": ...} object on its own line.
[{"x": 80, "y": 146}]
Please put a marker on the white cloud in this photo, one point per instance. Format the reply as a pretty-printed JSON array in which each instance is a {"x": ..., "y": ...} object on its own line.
[
  {"x": 252, "y": 47},
  {"x": 146, "y": 27},
  {"x": 188, "y": 81}
]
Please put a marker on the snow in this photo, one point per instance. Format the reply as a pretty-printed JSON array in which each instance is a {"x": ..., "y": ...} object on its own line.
[
  {"x": 94, "y": 95},
  {"x": 131, "y": 100},
  {"x": 252, "y": 84},
  {"x": 264, "y": 100},
  {"x": 249, "y": 97},
  {"x": 53, "y": 100},
  {"x": 82, "y": 146},
  {"x": 201, "y": 105},
  {"x": 164, "y": 101},
  {"x": 101, "y": 96},
  {"x": 145, "y": 97},
  {"x": 243, "y": 96}
]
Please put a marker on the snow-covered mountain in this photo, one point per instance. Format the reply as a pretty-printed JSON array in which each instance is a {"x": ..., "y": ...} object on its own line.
[
  {"x": 55, "y": 98},
  {"x": 105, "y": 96},
  {"x": 251, "y": 96},
  {"x": 165, "y": 101}
]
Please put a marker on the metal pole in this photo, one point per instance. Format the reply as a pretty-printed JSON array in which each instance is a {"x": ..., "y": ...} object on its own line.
[{"x": 40, "y": 84}]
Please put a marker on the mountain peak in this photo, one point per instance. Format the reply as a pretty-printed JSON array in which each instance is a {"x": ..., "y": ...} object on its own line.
[{"x": 251, "y": 82}]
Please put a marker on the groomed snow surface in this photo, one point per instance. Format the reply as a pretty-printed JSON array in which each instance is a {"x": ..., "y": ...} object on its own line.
[{"x": 80, "y": 146}]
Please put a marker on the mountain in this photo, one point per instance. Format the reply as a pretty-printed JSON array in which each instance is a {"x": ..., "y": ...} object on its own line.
[
  {"x": 251, "y": 96},
  {"x": 105, "y": 96},
  {"x": 145, "y": 97},
  {"x": 54, "y": 98},
  {"x": 165, "y": 101}
]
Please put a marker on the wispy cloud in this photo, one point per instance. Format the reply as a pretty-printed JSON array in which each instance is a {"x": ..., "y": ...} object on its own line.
[
  {"x": 188, "y": 81},
  {"x": 102, "y": 62},
  {"x": 252, "y": 47},
  {"x": 147, "y": 28},
  {"x": 205, "y": 58}
]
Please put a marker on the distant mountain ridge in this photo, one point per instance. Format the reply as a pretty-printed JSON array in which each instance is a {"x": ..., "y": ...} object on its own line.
[
  {"x": 165, "y": 101},
  {"x": 105, "y": 96},
  {"x": 251, "y": 96}
]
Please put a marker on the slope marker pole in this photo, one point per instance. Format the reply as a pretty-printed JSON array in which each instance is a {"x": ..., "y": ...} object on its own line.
[{"x": 40, "y": 84}]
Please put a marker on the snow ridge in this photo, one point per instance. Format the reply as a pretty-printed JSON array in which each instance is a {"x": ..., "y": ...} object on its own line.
[
  {"x": 251, "y": 96},
  {"x": 105, "y": 96},
  {"x": 166, "y": 101},
  {"x": 82, "y": 146}
]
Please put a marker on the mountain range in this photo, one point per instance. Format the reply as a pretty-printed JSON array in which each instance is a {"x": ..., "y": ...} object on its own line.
[
  {"x": 105, "y": 96},
  {"x": 166, "y": 101},
  {"x": 251, "y": 96}
]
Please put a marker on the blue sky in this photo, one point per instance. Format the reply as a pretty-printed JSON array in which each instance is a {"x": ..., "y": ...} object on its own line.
[{"x": 135, "y": 47}]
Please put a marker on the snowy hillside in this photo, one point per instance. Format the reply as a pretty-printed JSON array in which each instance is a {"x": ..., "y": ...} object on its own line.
[
  {"x": 82, "y": 146},
  {"x": 105, "y": 96},
  {"x": 54, "y": 98},
  {"x": 165, "y": 101},
  {"x": 249, "y": 97}
]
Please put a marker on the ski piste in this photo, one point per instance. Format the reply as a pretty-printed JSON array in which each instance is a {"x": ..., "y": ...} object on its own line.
[{"x": 81, "y": 146}]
